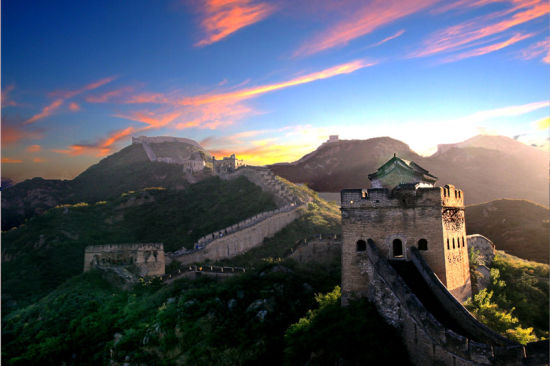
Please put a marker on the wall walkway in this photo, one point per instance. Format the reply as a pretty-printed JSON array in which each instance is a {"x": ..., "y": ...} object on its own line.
[{"x": 428, "y": 341}]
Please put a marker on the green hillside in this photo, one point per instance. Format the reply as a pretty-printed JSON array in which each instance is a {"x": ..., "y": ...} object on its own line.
[
  {"x": 49, "y": 248},
  {"x": 518, "y": 227}
]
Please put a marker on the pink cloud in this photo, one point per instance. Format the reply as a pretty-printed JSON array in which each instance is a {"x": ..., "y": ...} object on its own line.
[
  {"x": 62, "y": 96},
  {"x": 368, "y": 18},
  {"x": 491, "y": 48},
  {"x": 465, "y": 33},
  {"x": 107, "y": 96},
  {"x": 71, "y": 93},
  {"x": 220, "y": 18},
  {"x": 33, "y": 148},
  {"x": 393, "y": 36},
  {"x": 74, "y": 107},
  {"x": 536, "y": 50},
  {"x": 46, "y": 111}
]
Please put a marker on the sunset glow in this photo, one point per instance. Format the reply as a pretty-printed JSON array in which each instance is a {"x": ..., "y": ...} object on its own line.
[{"x": 267, "y": 80}]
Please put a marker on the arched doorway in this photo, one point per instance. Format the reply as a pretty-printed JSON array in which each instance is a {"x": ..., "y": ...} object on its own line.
[
  {"x": 361, "y": 246},
  {"x": 397, "y": 248}
]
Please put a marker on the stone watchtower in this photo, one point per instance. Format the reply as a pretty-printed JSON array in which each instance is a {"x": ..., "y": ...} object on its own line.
[{"x": 404, "y": 209}]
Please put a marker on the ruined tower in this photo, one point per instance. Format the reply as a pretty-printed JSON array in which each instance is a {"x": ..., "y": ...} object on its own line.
[{"x": 404, "y": 209}]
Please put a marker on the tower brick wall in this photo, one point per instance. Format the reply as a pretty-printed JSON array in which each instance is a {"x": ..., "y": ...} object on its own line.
[{"x": 404, "y": 217}]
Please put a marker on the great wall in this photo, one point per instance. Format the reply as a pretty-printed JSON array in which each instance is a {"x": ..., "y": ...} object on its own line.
[
  {"x": 247, "y": 234},
  {"x": 434, "y": 325},
  {"x": 438, "y": 330}
]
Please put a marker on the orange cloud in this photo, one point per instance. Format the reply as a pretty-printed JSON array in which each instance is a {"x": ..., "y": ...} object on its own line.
[
  {"x": 74, "y": 107},
  {"x": 212, "y": 110},
  {"x": 46, "y": 111},
  {"x": 491, "y": 48},
  {"x": 153, "y": 119},
  {"x": 537, "y": 49},
  {"x": 209, "y": 110},
  {"x": 62, "y": 96},
  {"x": 7, "y": 160},
  {"x": 12, "y": 134},
  {"x": 34, "y": 148},
  {"x": 363, "y": 21},
  {"x": 224, "y": 17},
  {"x": 252, "y": 92},
  {"x": 100, "y": 148},
  {"x": 463, "y": 34},
  {"x": 38, "y": 160}
]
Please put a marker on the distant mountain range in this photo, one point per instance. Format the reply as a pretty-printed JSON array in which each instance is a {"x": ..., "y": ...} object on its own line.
[{"x": 485, "y": 167}]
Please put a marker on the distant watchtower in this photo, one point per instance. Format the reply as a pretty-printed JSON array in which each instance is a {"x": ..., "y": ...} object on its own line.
[{"x": 404, "y": 209}]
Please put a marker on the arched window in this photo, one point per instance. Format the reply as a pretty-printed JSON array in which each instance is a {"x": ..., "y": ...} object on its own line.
[
  {"x": 456, "y": 194},
  {"x": 422, "y": 244},
  {"x": 454, "y": 243},
  {"x": 462, "y": 242},
  {"x": 397, "y": 248},
  {"x": 448, "y": 247},
  {"x": 361, "y": 246}
]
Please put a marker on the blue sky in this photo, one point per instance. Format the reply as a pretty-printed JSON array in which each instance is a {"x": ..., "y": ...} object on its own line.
[{"x": 267, "y": 80}]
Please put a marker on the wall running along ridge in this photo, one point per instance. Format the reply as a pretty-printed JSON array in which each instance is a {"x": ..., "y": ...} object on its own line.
[{"x": 251, "y": 233}]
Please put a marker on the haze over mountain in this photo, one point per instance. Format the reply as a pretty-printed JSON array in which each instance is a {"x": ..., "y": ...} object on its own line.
[
  {"x": 485, "y": 167},
  {"x": 518, "y": 227},
  {"x": 127, "y": 169}
]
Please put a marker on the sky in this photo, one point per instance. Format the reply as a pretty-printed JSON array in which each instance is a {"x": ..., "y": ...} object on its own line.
[{"x": 266, "y": 80}]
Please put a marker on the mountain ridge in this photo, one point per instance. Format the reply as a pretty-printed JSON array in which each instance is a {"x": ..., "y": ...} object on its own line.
[{"x": 483, "y": 173}]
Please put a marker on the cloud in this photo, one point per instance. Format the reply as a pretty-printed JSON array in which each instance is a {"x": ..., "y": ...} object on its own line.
[
  {"x": 74, "y": 107},
  {"x": 46, "y": 111},
  {"x": 64, "y": 95},
  {"x": 491, "y": 48},
  {"x": 108, "y": 96},
  {"x": 461, "y": 5},
  {"x": 220, "y": 18},
  {"x": 537, "y": 49},
  {"x": 6, "y": 98},
  {"x": 364, "y": 20},
  {"x": 509, "y": 111},
  {"x": 12, "y": 134},
  {"x": 463, "y": 34},
  {"x": 33, "y": 148},
  {"x": 210, "y": 110},
  {"x": 71, "y": 93},
  {"x": 38, "y": 160},
  {"x": 99, "y": 148},
  {"x": 243, "y": 94},
  {"x": 399, "y": 33},
  {"x": 6, "y": 160}
]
